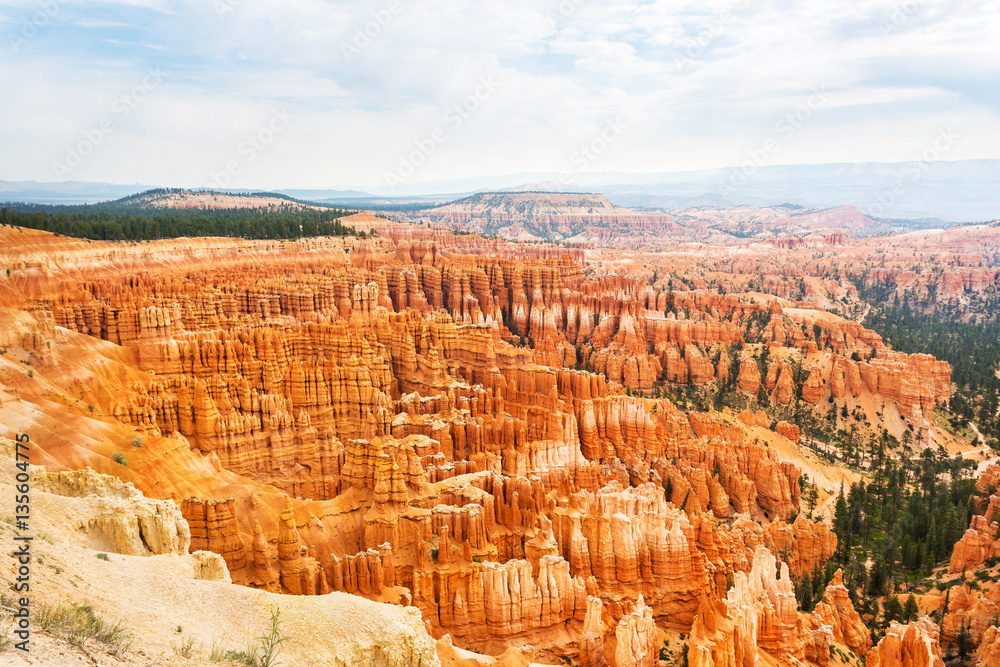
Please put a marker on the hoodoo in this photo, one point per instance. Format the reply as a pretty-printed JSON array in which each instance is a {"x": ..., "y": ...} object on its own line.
[{"x": 543, "y": 457}]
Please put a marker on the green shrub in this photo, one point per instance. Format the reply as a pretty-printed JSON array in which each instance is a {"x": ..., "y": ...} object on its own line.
[
  {"x": 249, "y": 657},
  {"x": 263, "y": 651}
]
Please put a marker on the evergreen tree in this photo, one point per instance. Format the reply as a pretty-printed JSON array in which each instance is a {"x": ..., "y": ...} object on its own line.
[
  {"x": 910, "y": 609},
  {"x": 804, "y": 593},
  {"x": 841, "y": 527},
  {"x": 893, "y": 611},
  {"x": 812, "y": 497},
  {"x": 963, "y": 640},
  {"x": 818, "y": 584},
  {"x": 125, "y": 220}
]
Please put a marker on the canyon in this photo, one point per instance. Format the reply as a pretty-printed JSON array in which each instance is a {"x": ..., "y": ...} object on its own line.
[{"x": 501, "y": 443}]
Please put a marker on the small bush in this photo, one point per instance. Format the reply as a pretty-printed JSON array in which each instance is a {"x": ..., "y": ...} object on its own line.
[
  {"x": 120, "y": 459},
  {"x": 271, "y": 641},
  {"x": 250, "y": 657},
  {"x": 102, "y": 556},
  {"x": 263, "y": 651},
  {"x": 137, "y": 441},
  {"x": 185, "y": 649}
]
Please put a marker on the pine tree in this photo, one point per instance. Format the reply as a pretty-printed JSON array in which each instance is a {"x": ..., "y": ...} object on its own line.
[
  {"x": 893, "y": 611},
  {"x": 828, "y": 572},
  {"x": 812, "y": 497},
  {"x": 805, "y": 593},
  {"x": 910, "y": 610},
  {"x": 818, "y": 582},
  {"x": 841, "y": 527},
  {"x": 877, "y": 580},
  {"x": 963, "y": 640}
]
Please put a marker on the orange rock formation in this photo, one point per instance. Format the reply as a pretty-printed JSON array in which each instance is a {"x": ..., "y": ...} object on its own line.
[
  {"x": 912, "y": 645},
  {"x": 362, "y": 416}
]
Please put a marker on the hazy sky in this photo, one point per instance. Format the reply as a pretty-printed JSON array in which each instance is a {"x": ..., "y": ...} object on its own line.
[{"x": 304, "y": 93}]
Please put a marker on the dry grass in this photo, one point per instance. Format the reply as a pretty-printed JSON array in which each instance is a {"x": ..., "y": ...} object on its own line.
[
  {"x": 77, "y": 623},
  {"x": 185, "y": 648}
]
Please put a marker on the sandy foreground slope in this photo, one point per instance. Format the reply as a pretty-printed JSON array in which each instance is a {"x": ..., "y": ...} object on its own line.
[{"x": 167, "y": 598}]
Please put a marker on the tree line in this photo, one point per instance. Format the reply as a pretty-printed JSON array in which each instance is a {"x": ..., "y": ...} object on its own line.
[
  {"x": 895, "y": 526},
  {"x": 971, "y": 347},
  {"x": 106, "y": 223}
]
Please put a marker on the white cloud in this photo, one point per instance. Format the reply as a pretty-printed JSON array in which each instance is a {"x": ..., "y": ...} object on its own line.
[{"x": 701, "y": 83}]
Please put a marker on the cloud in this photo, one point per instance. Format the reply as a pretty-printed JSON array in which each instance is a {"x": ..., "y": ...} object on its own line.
[{"x": 700, "y": 83}]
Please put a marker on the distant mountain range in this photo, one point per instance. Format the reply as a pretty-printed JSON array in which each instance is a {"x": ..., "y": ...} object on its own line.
[
  {"x": 588, "y": 218},
  {"x": 585, "y": 219},
  {"x": 66, "y": 192},
  {"x": 962, "y": 191},
  {"x": 552, "y": 216}
]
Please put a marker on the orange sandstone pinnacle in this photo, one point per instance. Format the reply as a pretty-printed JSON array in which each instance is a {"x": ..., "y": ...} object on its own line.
[{"x": 360, "y": 416}]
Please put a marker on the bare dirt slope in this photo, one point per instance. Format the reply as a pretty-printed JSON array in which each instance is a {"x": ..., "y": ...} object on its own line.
[{"x": 165, "y": 600}]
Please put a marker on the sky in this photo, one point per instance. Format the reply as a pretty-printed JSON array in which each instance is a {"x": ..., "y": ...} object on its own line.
[{"x": 382, "y": 93}]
